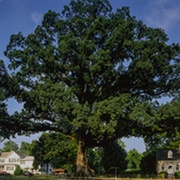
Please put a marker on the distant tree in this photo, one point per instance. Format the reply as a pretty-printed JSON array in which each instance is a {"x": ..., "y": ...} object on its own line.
[
  {"x": 91, "y": 73},
  {"x": 114, "y": 156},
  {"x": 54, "y": 149},
  {"x": 148, "y": 163},
  {"x": 25, "y": 147},
  {"x": 9, "y": 146},
  {"x": 95, "y": 157},
  {"x": 133, "y": 159}
]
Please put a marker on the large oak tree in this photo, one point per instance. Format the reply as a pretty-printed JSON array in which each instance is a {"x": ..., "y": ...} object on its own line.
[{"x": 91, "y": 73}]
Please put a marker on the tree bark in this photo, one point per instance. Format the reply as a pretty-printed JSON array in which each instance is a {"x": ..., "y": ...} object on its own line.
[{"x": 82, "y": 161}]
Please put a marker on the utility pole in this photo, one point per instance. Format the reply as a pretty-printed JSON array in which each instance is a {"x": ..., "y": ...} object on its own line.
[{"x": 115, "y": 173}]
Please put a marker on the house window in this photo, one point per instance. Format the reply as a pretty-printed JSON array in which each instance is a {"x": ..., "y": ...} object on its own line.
[
  {"x": 162, "y": 167},
  {"x": 9, "y": 168},
  {"x": 10, "y": 159},
  {"x": 1, "y": 168},
  {"x": 1, "y": 160},
  {"x": 15, "y": 160},
  {"x": 170, "y": 154},
  {"x": 22, "y": 162},
  {"x": 177, "y": 167}
]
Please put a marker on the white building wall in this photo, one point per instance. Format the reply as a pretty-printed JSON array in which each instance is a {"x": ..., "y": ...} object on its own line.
[
  {"x": 27, "y": 164},
  {"x": 165, "y": 166}
]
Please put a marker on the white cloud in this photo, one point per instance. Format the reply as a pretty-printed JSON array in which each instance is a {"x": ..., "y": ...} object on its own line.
[
  {"x": 36, "y": 17},
  {"x": 163, "y": 14}
]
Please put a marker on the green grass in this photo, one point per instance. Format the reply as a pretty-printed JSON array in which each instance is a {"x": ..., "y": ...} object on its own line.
[
  {"x": 36, "y": 177},
  {"x": 40, "y": 177}
]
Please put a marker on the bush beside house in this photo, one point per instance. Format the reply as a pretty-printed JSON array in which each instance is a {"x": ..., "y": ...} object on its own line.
[
  {"x": 18, "y": 171},
  {"x": 177, "y": 175}
]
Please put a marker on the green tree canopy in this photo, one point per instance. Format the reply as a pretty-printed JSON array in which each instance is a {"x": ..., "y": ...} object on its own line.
[
  {"x": 5, "y": 132},
  {"x": 113, "y": 158},
  {"x": 8, "y": 124},
  {"x": 25, "y": 147},
  {"x": 91, "y": 73},
  {"x": 168, "y": 123},
  {"x": 170, "y": 116},
  {"x": 133, "y": 159},
  {"x": 55, "y": 149},
  {"x": 148, "y": 163},
  {"x": 95, "y": 156},
  {"x": 9, "y": 146}
]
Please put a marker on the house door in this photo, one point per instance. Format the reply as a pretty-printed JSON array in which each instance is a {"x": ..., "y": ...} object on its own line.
[{"x": 170, "y": 169}]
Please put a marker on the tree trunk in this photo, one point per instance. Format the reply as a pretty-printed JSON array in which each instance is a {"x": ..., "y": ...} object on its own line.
[{"x": 82, "y": 161}]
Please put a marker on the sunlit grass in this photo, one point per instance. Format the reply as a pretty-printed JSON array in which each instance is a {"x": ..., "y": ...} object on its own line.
[
  {"x": 40, "y": 177},
  {"x": 30, "y": 178}
]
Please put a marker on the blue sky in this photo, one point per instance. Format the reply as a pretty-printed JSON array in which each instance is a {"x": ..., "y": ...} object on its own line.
[{"x": 24, "y": 15}]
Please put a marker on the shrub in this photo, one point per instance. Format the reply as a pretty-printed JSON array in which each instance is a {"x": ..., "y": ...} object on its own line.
[
  {"x": 18, "y": 171},
  {"x": 163, "y": 174},
  {"x": 177, "y": 175}
]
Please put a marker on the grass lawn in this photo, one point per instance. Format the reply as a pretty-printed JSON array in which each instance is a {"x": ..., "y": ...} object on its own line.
[
  {"x": 36, "y": 177},
  {"x": 40, "y": 177}
]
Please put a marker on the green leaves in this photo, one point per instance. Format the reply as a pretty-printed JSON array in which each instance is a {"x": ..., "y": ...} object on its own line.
[
  {"x": 134, "y": 160},
  {"x": 169, "y": 117},
  {"x": 6, "y": 122},
  {"x": 56, "y": 149},
  {"x": 10, "y": 146}
]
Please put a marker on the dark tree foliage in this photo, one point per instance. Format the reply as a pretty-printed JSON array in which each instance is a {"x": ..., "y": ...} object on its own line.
[
  {"x": 91, "y": 73},
  {"x": 95, "y": 156},
  {"x": 3, "y": 109},
  {"x": 169, "y": 116},
  {"x": 25, "y": 147},
  {"x": 168, "y": 123},
  {"x": 4, "y": 116},
  {"x": 148, "y": 163},
  {"x": 10, "y": 146},
  {"x": 114, "y": 158},
  {"x": 9, "y": 125},
  {"x": 54, "y": 149}
]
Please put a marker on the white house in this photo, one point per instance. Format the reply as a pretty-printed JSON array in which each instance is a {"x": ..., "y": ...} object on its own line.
[{"x": 10, "y": 160}]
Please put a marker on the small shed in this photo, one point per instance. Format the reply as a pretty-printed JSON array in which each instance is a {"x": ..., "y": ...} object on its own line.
[{"x": 58, "y": 171}]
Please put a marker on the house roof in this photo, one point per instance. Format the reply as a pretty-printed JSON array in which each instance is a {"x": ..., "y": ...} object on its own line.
[
  {"x": 28, "y": 158},
  {"x": 5, "y": 154},
  {"x": 21, "y": 155},
  {"x": 59, "y": 170},
  {"x": 163, "y": 155}
]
